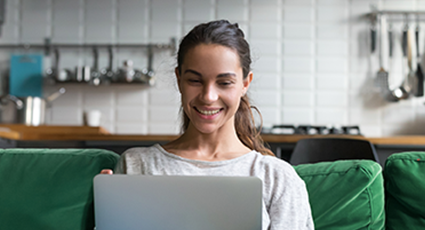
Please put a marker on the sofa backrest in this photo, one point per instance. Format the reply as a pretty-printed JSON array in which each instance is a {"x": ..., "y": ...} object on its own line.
[
  {"x": 404, "y": 175},
  {"x": 49, "y": 188},
  {"x": 346, "y": 194}
]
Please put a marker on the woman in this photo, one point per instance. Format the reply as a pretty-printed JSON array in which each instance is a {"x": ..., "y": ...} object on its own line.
[{"x": 219, "y": 136}]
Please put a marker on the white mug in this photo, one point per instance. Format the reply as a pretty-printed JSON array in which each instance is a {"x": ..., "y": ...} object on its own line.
[{"x": 92, "y": 118}]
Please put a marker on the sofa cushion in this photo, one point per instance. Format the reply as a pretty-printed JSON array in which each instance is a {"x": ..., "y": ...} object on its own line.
[
  {"x": 347, "y": 194},
  {"x": 49, "y": 188},
  {"x": 404, "y": 175}
]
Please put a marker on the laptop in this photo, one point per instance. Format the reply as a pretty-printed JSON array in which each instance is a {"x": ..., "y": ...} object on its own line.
[{"x": 177, "y": 202}]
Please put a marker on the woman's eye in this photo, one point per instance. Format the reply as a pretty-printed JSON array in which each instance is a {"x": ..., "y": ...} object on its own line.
[
  {"x": 225, "y": 83},
  {"x": 194, "y": 81}
]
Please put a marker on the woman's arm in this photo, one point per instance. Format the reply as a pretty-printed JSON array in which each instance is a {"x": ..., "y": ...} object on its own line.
[
  {"x": 107, "y": 171},
  {"x": 289, "y": 207}
]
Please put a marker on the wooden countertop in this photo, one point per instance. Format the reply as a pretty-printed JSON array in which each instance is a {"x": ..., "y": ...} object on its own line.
[{"x": 85, "y": 133}]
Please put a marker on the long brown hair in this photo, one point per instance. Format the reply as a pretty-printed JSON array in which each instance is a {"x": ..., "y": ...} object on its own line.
[{"x": 224, "y": 33}]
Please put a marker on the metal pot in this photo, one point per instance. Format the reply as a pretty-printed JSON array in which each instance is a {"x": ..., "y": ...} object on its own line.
[{"x": 31, "y": 111}]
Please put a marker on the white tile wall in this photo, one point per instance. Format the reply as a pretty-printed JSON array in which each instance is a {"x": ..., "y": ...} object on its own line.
[
  {"x": 311, "y": 60},
  {"x": 132, "y": 21},
  {"x": 66, "y": 21},
  {"x": 297, "y": 116},
  {"x": 194, "y": 10},
  {"x": 298, "y": 14},
  {"x": 10, "y": 27},
  {"x": 35, "y": 20},
  {"x": 232, "y": 10},
  {"x": 100, "y": 21}
]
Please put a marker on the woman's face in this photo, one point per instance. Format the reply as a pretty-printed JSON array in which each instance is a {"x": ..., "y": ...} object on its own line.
[{"x": 211, "y": 86}]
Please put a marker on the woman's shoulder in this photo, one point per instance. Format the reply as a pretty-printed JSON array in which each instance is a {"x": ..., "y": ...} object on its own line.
[
  {"x": 275, "y": 167},
  {"x": 136, "y": 160},
  {"x": 140, "y": 151}
]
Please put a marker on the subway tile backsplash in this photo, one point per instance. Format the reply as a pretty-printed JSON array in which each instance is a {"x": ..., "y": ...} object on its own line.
[{"x": 311, "y": 60}]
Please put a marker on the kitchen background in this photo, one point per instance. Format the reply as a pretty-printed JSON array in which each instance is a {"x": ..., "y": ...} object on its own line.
[{"x": 312, "y": 61}]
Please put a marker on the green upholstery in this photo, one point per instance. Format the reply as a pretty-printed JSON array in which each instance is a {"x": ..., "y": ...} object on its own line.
[
  {"x": 49, "y": 188},
  {"x": 404, "y": 175},
  {"x": 345, "y": 194}
]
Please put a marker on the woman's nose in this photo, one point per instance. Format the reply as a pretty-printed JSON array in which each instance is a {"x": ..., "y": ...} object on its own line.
[{"x": 209, "y": 94}]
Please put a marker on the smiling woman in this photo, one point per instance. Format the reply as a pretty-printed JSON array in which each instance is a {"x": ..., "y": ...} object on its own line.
[
  {"x": 211, "y": 93},
  {"x": 219, "y": 135}
]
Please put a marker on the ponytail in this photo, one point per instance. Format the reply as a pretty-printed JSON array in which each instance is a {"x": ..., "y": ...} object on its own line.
[{"x": 246, "y": 130}]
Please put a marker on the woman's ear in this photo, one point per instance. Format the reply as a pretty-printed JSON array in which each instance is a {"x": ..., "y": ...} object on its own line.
[
  {"x": 247, "y": 82},
  {"x": 176, "y": 72}
]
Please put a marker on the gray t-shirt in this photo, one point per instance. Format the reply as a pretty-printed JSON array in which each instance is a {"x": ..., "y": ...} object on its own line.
[{"x": 285, "y": 198}]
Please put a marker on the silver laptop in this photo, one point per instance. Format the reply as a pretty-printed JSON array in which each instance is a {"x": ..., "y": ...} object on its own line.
[{"x": 177, "y": 202}]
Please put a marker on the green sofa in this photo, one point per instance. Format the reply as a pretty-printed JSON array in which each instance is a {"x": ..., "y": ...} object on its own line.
[
  {"x": 49, "y": 189},
  {"x": 357, "y": 194},
  {"x": 52, "y": 189}
]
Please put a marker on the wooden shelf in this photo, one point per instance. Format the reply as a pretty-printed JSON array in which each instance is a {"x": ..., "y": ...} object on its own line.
[{"x": 85, "y": 133}]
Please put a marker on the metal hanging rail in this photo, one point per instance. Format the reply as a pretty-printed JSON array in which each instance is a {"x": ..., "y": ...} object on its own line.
[
  {"x": 399, "y": 12},
  {"x": 48, "y": 46},
  {"x": 375, "y": 14}
]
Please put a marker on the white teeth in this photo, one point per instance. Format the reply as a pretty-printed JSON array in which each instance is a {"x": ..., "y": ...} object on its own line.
[{"x": 209, "y": 112}]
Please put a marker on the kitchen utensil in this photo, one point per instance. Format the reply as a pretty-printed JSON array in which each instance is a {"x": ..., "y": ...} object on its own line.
[
  {"x": 65, "y": 75},
  {"x": 145, "y": 75},
  {"x": 381, "y": 79},
  {"x": 390, "y": 42},
  {"x": 86, "y": 73},
  {"x": 6, "y": 98},
  {"x": 396, "y": 94},
  {"x": 150, "y": 73},
  {"x": 409, "y": 57},
  {"x": 410, "y": 80},
  {"x": 107, "y": 74},
  {"x": 94, "y": 73},
  {"x": 33, "y": 110},
  {"x": 382, "y": 75},
  {"x": 79, "y": 73},
  {"x": 26, "y": 75},
  {"x": 419, "y": 89},
  {"x": 373, "y": 38},
  {"x": 51, "y": 73},
  {"x": 126, "y": 73},
  {"x": 2, "y": 13}
]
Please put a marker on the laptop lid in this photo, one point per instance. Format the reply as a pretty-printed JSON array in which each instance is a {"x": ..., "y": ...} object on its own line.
[{"x": 177, "y": 202}]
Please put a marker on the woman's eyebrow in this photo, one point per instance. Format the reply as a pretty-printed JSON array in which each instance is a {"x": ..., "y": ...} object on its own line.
[
  {"x": 193, "y": 71},
  {"x": 226, "y": 75},
  {"x": 218, "y": 76}
]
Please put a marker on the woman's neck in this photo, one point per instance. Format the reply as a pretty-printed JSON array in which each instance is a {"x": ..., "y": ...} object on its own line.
[{"x": 222, "y": 144}]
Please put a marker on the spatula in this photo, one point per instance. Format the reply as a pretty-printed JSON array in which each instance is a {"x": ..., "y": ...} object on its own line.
[{"x": 381, "y": 79}]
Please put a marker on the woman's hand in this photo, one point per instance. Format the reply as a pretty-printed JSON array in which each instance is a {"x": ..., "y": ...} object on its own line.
[{"x": 106, "y": 171}]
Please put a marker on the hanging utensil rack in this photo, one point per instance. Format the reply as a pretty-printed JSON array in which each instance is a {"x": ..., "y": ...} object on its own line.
[
  {"x": 374, "y": 15},
  {"x": 48, "y": 46},
  {"x": 415, "y": 82}
]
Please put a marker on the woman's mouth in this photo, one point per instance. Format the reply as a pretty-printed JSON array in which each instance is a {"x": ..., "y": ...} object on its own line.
[{"x": 208, "y": 112}]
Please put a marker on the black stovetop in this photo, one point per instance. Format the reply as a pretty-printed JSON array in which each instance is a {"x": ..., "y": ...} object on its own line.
[{"x": 312, "y": 130}]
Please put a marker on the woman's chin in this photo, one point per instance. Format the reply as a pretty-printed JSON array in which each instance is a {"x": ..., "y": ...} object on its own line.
[{"x": 206, "y": 128}]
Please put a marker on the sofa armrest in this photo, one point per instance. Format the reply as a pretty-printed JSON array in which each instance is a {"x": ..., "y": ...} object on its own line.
[
  {"x": 346, "y": 194},
  {"x": 404, "y": 175}
]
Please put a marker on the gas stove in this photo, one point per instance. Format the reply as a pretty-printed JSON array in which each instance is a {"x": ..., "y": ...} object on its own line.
[{"x": 312, "y": 130}]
